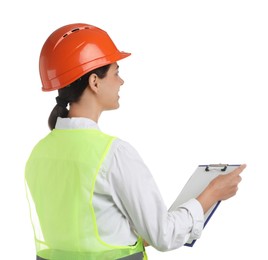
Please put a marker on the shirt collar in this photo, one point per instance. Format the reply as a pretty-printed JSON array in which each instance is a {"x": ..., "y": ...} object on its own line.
[{"x": 75, "y": 123}]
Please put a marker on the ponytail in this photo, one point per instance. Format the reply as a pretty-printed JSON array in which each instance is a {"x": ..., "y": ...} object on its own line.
[{"x": 72, "y": 93}]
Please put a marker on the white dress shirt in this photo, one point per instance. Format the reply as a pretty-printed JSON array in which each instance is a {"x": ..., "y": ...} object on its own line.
[{"x": 128, "y": 202}]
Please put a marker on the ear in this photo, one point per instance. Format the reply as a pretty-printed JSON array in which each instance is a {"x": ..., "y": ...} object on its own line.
[{"x": 93, "y": 83}]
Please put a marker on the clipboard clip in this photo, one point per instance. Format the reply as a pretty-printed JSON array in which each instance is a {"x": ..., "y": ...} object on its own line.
[{"x": 222, "y": 166}]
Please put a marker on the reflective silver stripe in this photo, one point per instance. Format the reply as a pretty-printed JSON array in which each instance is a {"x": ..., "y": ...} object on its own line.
[
  {"x": 137, "y": 256},
  {"x": 39, "y": 258}
]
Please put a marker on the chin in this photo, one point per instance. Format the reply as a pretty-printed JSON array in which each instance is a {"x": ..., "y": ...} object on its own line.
[
  {"x": 113, "y": 107},
  {"x": 117, "y": 105}
]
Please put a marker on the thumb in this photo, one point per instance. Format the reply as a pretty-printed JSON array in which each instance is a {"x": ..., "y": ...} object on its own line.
[{"x": 238, "y": 170}]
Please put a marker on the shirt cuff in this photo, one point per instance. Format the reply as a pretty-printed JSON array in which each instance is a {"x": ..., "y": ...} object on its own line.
[{"x": 196, "y": 211}]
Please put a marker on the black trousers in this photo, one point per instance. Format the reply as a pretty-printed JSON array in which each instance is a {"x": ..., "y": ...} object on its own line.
[{"x": 137, "y": 256}]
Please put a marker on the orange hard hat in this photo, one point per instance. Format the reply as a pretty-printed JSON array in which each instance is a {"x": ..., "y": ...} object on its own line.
[{"x": 73, "y": 50}]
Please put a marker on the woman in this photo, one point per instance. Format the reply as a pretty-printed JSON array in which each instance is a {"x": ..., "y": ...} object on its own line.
[{"x": 91, "y": 195}]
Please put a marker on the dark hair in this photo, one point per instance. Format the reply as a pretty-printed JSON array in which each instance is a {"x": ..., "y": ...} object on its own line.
[{"x": 72, "y": 93}]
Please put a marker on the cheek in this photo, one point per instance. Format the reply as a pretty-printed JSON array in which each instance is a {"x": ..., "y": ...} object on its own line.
[
  {"x": 109, "y": 92},
  {"x": 109, "y": 97},
  {"x": 114, "y": 88}
]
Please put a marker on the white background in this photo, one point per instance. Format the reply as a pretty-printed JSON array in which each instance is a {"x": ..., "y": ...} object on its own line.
[{"x": 194, "y": 85}]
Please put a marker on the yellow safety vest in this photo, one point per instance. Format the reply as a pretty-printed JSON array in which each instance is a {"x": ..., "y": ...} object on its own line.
[{"x": 60, "y": 177}]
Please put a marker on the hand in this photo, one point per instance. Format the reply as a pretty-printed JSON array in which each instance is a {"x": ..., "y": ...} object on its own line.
[
  {"x": 145, "y": 244},
  {"x": 222, "y": 187}
]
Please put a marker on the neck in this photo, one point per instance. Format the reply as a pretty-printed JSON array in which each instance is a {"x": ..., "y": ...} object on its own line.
[
  {"x": 87, "y": 109},
  {"x": 93, "y": 115}
]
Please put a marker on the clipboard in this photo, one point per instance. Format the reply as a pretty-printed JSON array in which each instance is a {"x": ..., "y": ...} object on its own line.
[{"x": 199, "y": 180}]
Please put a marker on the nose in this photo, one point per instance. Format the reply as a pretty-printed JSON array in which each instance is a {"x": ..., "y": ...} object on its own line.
[{"x": 122, "y": 81}]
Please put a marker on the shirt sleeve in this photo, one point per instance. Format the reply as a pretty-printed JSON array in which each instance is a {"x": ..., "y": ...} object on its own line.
[{"x": 137, "y": 196}]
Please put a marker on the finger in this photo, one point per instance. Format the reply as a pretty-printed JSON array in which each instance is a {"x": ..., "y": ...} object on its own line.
[{"x": 238, "y": 170}]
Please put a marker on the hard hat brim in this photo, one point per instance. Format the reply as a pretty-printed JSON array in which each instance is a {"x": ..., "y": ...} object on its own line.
[{"x": 62, "y": 81}]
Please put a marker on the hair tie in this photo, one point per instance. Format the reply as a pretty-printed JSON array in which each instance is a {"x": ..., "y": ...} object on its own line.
[{"x": 61, "y": 102}]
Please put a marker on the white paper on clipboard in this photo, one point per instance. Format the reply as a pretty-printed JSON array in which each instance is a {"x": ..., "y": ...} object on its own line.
[{"x": 199, "y": 180}]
